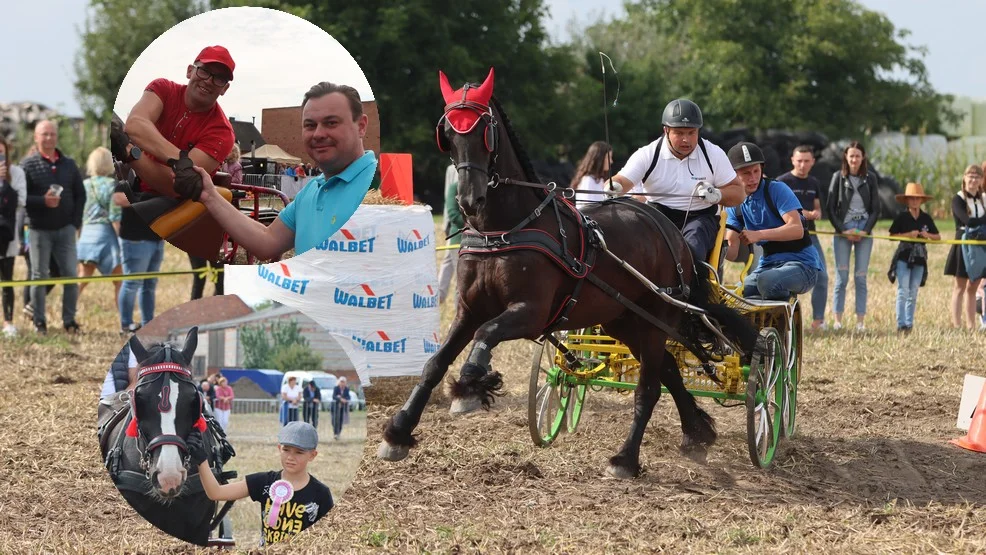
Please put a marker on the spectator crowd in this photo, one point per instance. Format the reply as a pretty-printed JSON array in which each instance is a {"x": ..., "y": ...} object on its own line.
[{"x": 852, "y": 207}]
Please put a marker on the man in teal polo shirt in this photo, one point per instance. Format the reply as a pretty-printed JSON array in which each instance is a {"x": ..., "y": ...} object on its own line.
[{"x": 333, "y": 126}]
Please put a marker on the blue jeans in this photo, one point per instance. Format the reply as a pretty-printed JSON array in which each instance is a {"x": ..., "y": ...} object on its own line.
[
  {"x": 58, "y": 245},
  {"x": 780, "y": 282},
  {"x": 138, "y": 257},
  {"x": 842, "y": 248},
  {"x": 819, "y": 293},
  {"x": 908, "y": 282}
]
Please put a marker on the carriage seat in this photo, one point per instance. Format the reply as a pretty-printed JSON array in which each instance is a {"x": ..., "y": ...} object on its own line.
[{"x": 186, "y": 224}]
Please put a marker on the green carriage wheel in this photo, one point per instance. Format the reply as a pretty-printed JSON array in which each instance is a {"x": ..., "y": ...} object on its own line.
[
  {"x": 575, "y": 406},
  {"x": 791, "y": 379},
  {"x": 765, "y": 397},
  {"x": 549, "y": 397}
]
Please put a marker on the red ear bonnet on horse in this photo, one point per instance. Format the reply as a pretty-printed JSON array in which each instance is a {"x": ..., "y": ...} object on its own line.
[{"x": 463, "y": 120}]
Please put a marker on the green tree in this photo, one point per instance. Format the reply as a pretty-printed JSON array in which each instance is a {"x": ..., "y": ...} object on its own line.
[
  {"x": 830, "y": 65},
  {"x": 401, "y": 46},
  {"x": 279, "y": 345},
  {"x": 257, "y": 349},
  {"x": 114, "y": 35},
  {"x": 296, "y": 357}
]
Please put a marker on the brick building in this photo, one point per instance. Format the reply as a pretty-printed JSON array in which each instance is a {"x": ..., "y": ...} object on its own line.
[{"x": 282, "y": 127}]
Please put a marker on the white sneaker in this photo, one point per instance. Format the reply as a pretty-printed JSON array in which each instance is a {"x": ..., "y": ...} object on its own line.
[
  {"x": 860, "y": 327},
  {"x": 837, "y": 325},
  {"x": 9, "y": 330}
]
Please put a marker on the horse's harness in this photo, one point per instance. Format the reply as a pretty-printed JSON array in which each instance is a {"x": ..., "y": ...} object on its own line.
[
  {"x": 140, "y": 483},
  {"x": 590, "y": 236}
]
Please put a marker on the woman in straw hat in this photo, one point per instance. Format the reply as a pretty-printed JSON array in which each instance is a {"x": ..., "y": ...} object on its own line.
[
  {"x": 910, "y": 263},
  {"x": 968, "y": 209}
]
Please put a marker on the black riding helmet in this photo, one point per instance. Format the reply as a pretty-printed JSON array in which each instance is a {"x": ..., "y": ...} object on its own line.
[
  {"x": 682, "y": 113},
  {"x": 745, "y": 154}
]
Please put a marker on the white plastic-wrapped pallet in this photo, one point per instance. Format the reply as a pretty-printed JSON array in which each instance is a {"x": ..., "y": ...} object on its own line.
[{"x": 373, "y": 285}]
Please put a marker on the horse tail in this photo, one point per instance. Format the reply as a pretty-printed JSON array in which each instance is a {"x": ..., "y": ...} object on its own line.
[{"x": 734, "y": 325}]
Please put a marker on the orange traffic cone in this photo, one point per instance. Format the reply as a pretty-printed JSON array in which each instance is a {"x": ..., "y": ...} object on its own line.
[{"x": 975, "y": 440}]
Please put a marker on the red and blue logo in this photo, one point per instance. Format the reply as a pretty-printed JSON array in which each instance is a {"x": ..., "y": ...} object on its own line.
[
  {"x": 284, "y": 281},
  {"x": 425, "y": 301},
  {"x": 380, "y": 342},
  {"x": 363, "y": 297},
  {"x": 413, "y": 241},
  {"x": 432, "y": 347},
  {"x": 348, "y": 243}
]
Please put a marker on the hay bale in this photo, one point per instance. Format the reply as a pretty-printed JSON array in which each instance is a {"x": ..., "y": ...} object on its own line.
[
  {"x": 373, "y": 196},
  {"x": 384, "y": 392}
]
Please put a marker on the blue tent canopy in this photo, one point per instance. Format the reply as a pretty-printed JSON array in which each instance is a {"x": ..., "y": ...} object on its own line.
[{"x": 268, "y": 380}]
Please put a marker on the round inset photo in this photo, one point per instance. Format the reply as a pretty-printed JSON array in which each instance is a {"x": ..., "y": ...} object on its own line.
[
  {"x": 227, "y": 423},
  {"x": 243, "y": 135}
]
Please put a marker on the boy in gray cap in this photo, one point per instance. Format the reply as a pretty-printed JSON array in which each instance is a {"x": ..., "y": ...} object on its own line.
[{"x": 311, "y": 500}]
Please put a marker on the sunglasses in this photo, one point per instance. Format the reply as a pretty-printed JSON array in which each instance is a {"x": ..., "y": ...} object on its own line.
[{"x": 204, "y": 74}]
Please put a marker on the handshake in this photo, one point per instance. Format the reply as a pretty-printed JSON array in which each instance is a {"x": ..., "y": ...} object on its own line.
[{"x": 709, "y": 192}]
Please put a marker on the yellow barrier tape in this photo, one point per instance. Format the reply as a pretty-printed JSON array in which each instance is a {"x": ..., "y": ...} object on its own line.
[
  {"x": 907, "y": 239},
  {"x": 211, "y": 273}
]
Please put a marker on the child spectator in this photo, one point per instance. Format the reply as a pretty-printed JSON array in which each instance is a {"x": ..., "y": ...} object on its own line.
[
  {"x": 311, "y": 500},
  {"x": 910, "y": 263}
]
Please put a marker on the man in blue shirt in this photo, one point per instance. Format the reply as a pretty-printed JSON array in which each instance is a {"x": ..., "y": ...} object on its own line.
[
  {"x": 771, "y": 216},
  {"x": 333, "y": 126}
]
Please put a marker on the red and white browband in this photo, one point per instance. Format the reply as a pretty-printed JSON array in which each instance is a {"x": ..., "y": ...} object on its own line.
[
  {"x": 164, "y": 367},
  {"x": 160, "y": 368}
]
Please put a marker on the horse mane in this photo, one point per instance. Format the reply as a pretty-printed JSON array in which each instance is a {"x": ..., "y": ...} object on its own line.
[{"x": 522, "y": 156}]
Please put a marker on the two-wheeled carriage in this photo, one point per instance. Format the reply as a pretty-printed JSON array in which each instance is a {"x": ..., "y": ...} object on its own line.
[{"x": 766, "y": 380}]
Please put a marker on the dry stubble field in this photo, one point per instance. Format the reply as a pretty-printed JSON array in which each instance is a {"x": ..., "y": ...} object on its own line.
[{"x": 870, "y": 470}]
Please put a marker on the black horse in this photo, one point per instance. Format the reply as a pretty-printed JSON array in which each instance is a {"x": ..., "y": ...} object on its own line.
[
  {"x": 142, "y": 439},
  {"x": 531, "y": 263}
]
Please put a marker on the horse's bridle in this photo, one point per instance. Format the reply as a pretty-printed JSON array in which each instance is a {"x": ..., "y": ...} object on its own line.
[
  {"x": 485, "y": 114},
  {"x": 156, "y": 372}
]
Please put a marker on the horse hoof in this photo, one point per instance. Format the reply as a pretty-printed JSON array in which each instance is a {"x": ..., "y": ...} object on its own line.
[
  {"x": 620, "y": 472},
  {"x": 392, "y": 453},
  {"x": 465, "y": 405},
  {"x": 696, "y": 452}
]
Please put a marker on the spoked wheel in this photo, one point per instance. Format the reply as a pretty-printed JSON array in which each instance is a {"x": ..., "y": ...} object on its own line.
[
  {"x": 765, "y": 397},
  {"x": 553, "y": 403},
  {"x": 789, "y": 412}
]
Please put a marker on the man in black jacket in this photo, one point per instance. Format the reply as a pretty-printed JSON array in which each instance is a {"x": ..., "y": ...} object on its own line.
[
  {"x": 56, "y": 198},
  {"x": 313, "y": 402}
]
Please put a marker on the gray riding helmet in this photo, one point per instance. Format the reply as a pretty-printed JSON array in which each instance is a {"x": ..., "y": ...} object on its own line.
[
  {"x": 682, "y": 112},
  {"x": 745, "y": 154}
]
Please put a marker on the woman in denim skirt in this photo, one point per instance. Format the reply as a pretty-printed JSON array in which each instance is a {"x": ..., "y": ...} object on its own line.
[{"x": 98, "y": 246}]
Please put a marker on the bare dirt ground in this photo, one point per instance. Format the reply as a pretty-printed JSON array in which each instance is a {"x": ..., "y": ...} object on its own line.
[{"x": 870, "y": 470}]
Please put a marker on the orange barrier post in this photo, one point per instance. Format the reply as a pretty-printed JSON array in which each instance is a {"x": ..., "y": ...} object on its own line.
[
  {"x": 975, "y": 440},
  {"x": 395, "y": 177}
]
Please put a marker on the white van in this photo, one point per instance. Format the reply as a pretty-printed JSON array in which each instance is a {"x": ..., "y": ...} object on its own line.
[{"x": 323, "y": 380}]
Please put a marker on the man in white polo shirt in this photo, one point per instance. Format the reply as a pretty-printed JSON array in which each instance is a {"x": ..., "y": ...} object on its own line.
[{"x": 695, "y": 175}]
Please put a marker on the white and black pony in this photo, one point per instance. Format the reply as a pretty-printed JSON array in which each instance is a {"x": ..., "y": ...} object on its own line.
[{"x": 142, "y": 439}]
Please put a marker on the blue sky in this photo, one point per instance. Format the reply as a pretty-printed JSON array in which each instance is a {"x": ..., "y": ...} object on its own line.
[{"x": 40, "y": 67}]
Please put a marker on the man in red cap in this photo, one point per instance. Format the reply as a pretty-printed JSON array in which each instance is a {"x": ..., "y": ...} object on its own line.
[
  {"x": 171, "y": 129},
  {"x": 176, "y": 127}
]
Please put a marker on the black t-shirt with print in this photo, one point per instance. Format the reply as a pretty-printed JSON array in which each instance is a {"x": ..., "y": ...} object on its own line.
[
  {"x": 806, "y": 189},
  {"x": 905, "y": 223},
  {"x": 305, "y": 507}
]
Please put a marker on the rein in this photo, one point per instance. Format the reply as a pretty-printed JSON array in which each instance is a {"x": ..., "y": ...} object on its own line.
[{"x": 569, "y": 192}]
